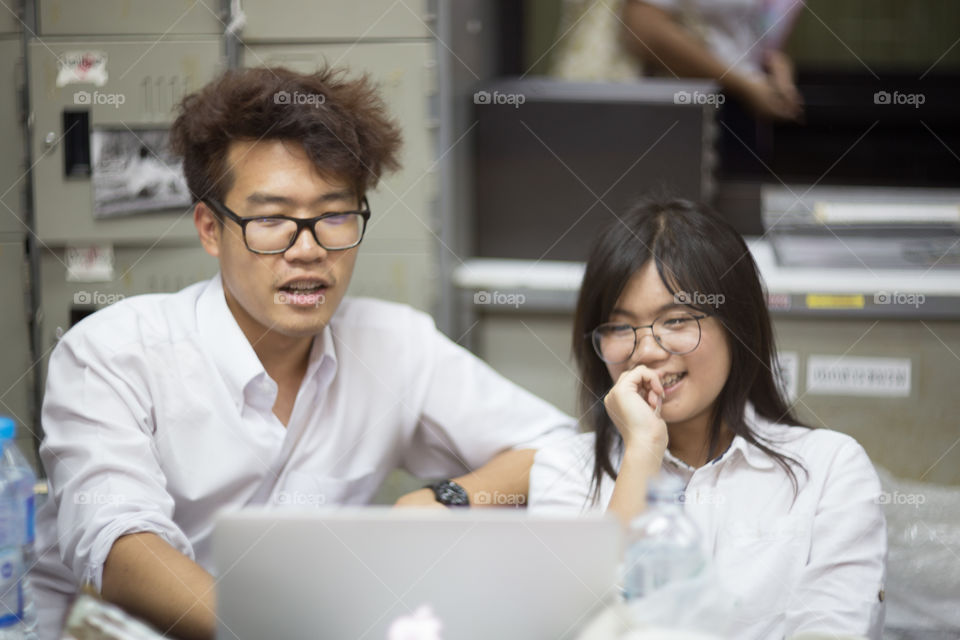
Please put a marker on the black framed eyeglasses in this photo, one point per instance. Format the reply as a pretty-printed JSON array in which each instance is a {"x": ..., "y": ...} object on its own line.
[
  {"x": 677, "y": 332},
  {"x": 334, "y": 231}
]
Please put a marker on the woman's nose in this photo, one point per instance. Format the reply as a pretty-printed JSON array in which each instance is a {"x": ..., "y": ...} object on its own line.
[{"x": 648, "y": 349}]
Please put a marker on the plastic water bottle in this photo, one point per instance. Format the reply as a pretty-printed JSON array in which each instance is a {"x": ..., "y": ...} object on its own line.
[
  {"x": 17, "y": 612},
  {"x": 663, "y": 543}
]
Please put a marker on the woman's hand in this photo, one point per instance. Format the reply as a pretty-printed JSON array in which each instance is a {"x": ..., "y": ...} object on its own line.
[{"x": 633, "y": 405}]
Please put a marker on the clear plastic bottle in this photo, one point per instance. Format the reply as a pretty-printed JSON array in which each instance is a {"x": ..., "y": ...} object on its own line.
[
  {"x": 17, "y": 480},
  {"x": 663, "y": 543}
]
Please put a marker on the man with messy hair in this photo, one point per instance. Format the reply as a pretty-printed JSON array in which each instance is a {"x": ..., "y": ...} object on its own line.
[{"x": 263, "y": 385}]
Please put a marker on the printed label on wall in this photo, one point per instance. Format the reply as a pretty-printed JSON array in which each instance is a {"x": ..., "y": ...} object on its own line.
[{"x": 858, "y": 376}]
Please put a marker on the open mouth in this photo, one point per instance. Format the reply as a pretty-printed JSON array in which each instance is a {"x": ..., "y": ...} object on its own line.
[
  {"x": 671, "y": 380},
  {"x": 302, "y": 293}
]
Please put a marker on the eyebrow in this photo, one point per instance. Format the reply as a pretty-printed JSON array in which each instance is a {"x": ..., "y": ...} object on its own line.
[
  {"x": 260, "y": 198},
  {"x": 657, "y": 312}
]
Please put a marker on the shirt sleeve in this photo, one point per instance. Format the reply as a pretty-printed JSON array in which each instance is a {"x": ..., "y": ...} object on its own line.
[
  {"x": 99, "y": 454},
  {"x": 560, "y": 479},
  {"x": 469, "y": 413},
  {"x": 840, "y": 588}
]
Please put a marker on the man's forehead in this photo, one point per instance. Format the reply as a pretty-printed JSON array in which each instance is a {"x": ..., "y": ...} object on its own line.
[{"x": 282, "y": 185}]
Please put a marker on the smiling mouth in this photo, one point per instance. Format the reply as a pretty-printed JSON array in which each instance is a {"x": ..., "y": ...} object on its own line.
[{"x": 671, "y": 379}]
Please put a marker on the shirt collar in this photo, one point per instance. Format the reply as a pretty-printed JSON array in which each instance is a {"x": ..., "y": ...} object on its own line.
[
  {"x": 232, "y": 353},
  {"x": 753, "y": 455}
]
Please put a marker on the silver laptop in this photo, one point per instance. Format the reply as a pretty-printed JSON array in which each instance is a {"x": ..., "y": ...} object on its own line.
[{"x": 356, "y": 574}]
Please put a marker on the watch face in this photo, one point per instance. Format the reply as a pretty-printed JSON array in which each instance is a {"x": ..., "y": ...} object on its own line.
[{"x": 451, "y": 494}]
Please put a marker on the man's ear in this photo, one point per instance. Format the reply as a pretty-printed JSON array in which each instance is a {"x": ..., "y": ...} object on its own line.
[{"x": 209, "y": 228}]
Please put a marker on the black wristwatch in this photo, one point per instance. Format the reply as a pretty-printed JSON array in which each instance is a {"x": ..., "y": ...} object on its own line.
[{"x": 449, "y": 493}]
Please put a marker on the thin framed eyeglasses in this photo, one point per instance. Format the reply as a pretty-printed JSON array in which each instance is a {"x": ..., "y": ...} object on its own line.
[
  {"x": 677, "y": 332},
  {"x": 334, "y": 231}
]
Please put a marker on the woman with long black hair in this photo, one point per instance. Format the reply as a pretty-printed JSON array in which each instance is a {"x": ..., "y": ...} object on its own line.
[{"x": 676, "y": 360}]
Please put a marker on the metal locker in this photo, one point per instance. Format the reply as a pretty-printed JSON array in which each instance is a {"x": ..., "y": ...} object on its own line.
[
  {"x": 143, "y": 83},
  {"x": 338, "y": 20},
  {"x": 12, "y": 170},
  {"x": 129, "y": 17}
]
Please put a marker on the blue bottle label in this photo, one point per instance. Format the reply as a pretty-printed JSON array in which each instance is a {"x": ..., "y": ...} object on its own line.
[{"x": 11, "y": 596}]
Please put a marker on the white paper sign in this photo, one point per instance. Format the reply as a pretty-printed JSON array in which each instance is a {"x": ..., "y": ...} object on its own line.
[
  {"x": 90, "y": 264},
  {"x": 82, "y": 67}
]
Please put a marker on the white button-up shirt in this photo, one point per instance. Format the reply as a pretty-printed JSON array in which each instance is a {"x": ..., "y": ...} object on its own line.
[
  {"x": 158, "y": 413},
  {"x": 817, "y": 563}
]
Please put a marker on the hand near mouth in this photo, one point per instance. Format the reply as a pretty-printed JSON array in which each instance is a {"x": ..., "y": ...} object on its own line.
[{"x": 633, "y": 405}]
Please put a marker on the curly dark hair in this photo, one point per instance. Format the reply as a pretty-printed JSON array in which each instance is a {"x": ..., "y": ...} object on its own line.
[{"x": 341, "y": 122}]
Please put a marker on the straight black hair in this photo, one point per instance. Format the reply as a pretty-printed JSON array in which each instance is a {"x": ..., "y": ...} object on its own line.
[{"x": 694, "y": 250}]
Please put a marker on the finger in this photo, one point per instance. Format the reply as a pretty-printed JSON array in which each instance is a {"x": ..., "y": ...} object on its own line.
[
  {"x": 638, "y": 376},
  {"x": 653, "y": 399}
]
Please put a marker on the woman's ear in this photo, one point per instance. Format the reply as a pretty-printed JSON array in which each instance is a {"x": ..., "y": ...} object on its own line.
[{"x": 209, "y": 228}]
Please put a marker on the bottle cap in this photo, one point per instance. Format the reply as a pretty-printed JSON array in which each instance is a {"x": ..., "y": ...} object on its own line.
[
  {"x": 8, "y": 428},
  {"x": 665, "y": 488}
]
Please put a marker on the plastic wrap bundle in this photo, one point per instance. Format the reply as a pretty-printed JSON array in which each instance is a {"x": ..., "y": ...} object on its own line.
[{"x": 923, "y": 565}]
